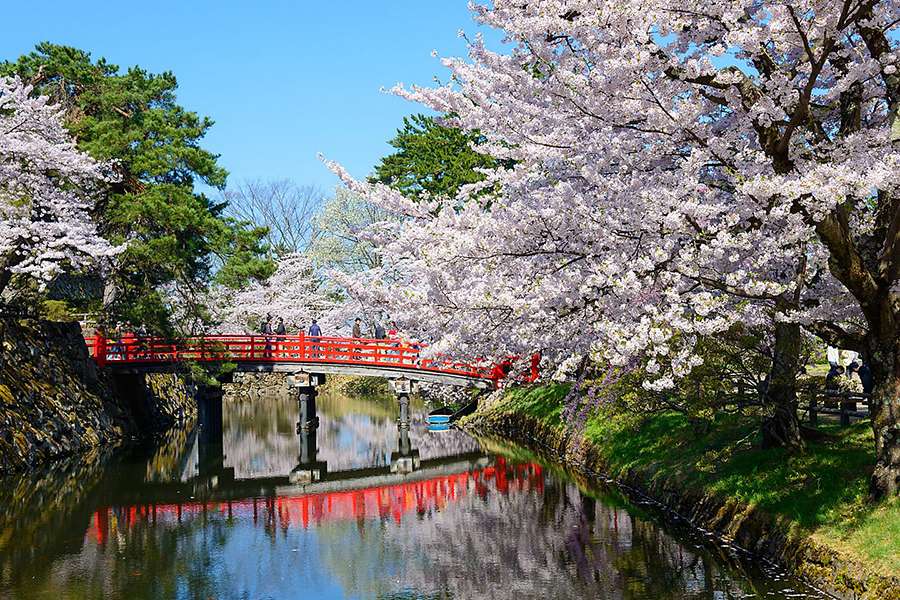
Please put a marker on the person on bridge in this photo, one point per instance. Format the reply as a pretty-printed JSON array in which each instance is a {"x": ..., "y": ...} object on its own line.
[
  {"x": 357, "y": 333},
  {"x": 314, "y": 333},
  {"x": 280, "y": 331},
  {"x": 265, "y": 328},
  {"x": 119, "y": 347},
  {"x": 128, "y": 340},
  {"x": 392, "y": 335},
  {"x": 379, "y": 333}
]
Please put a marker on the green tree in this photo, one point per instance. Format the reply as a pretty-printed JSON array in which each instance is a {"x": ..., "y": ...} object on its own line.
[
  {"x": 432, "y": 159},
  {"x": 176, "y": 235}
]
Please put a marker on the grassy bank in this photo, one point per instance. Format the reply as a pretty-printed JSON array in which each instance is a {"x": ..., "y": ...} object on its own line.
[{"x": 820, "y": 493}]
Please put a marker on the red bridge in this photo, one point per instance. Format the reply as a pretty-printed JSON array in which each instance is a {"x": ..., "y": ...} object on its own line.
[{"x": 393, "y": 359}]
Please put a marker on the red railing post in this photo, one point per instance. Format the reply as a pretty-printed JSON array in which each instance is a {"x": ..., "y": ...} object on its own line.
[
  {"x": 535, "y": 367},
  {"x": 100, "y": 349}
]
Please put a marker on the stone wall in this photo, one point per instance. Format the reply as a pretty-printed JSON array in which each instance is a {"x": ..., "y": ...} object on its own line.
[
  {"x": 54, "y": 402},
  {"x": 247, "y": 387},
  {"x": 172, "y": 401}
]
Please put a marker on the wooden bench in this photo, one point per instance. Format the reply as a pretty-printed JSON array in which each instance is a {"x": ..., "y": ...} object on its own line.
[{"x": 846, "y": 409}]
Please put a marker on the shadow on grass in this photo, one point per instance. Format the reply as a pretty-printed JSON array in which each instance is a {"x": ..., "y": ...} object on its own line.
[
  {"x": 825, "y": 483},
  {"x": 806, "y": 487}
]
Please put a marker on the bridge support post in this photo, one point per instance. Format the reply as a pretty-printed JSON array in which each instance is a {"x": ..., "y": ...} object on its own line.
[
  {"x": 304, "y": 385},
  {"x": 404, "y": 411},
  {"x": 306, "y": 403},
  {"x": 403, "y": 388},
  {"x": 309, "y": 446},
  {"x": 209, "y": 416}
]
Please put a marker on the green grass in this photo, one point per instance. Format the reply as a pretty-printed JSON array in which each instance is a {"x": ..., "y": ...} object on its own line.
[{"x": 823, "y": 490}]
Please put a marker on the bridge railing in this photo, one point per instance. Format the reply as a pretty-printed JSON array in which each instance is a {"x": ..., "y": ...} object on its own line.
[
  {"x": 278, "y": 349},
  {"x": 391, "y": 353}
]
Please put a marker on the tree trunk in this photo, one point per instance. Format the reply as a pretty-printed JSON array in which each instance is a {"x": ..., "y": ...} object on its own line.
[
  {"x": 110, "y": 292},
  {"x": 884, "y": 406},
  {"x": 5, "y": 278},
  {"x": 12, "y": 260},
  {"x": 781, "y": 428}
]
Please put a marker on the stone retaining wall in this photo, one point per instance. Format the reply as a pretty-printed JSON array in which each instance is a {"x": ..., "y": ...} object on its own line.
[
  {"x": 54, "y": 402},
  {"x": 172, "y": 401},
  {"x": 249, "y": 387}
]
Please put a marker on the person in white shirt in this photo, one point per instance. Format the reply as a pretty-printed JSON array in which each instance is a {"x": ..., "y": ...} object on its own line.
[{"x": 834, "y": 356}]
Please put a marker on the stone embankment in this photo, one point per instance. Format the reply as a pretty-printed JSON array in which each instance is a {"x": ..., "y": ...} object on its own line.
[
  {"x": 54, "y": 402},
  {"x": 249, "y": 387},
  {"x": 737, "y": 523}
]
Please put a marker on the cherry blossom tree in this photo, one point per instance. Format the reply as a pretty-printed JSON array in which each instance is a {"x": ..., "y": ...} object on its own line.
[
  {"x": 677, "y": 169},
  {"x": 47, "y": 191},
  {"x": 294, "y": 292}
]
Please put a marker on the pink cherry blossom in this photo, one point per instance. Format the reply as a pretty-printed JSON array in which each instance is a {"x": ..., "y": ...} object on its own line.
[{"x": 47, "y": 192}]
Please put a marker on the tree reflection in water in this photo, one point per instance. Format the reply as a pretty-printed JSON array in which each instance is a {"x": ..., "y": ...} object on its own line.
[
  {"x": 484, "y": 529},
  {"x": 260, "y": 437}
]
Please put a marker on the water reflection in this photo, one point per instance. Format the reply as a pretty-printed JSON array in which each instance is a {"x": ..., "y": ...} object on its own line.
[{"x": 354, "y": 507}]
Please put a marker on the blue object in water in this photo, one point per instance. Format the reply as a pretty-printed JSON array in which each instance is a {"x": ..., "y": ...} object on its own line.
[
  {"x": 439, "y": 427},
  {"x": 437, "y": 419}
]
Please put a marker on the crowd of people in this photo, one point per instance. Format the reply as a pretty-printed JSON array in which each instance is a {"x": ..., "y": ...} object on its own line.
[
  {"x": 123, "y": 339},
  {"x": 275, "y": 328},
  {"x": 272, "y": 326}
]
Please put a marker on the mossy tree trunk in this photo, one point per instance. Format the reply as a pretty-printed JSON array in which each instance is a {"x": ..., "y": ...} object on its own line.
[
  {"x": 781, "y": 427},
  {"x": 884, "y": 359}
]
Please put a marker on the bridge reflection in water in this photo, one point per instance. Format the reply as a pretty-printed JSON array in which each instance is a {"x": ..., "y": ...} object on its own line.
[
  {"x": 419, "y": 497},
  {"x": 310, "y": 492}
]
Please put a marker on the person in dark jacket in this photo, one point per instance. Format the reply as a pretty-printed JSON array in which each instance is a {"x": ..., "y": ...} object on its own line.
[
  {"x": 266, "y": 326},
  {"x": 379, "y": 331},
  {"x": 865, "y": 376},
  {"x": 832, "y": 379},
  {"x": 280, "y": 331},
  {"x": 357, "y": 333},
  {"x": 314, "y": 333},
  {"x": 266, "y": 329}
]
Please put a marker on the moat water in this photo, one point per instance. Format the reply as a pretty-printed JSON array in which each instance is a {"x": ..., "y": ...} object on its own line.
[{"x": 355, "y": 508}]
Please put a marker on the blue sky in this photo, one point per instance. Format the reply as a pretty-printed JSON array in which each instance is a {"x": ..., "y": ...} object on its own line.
[{"x": 283, "y": 80}]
